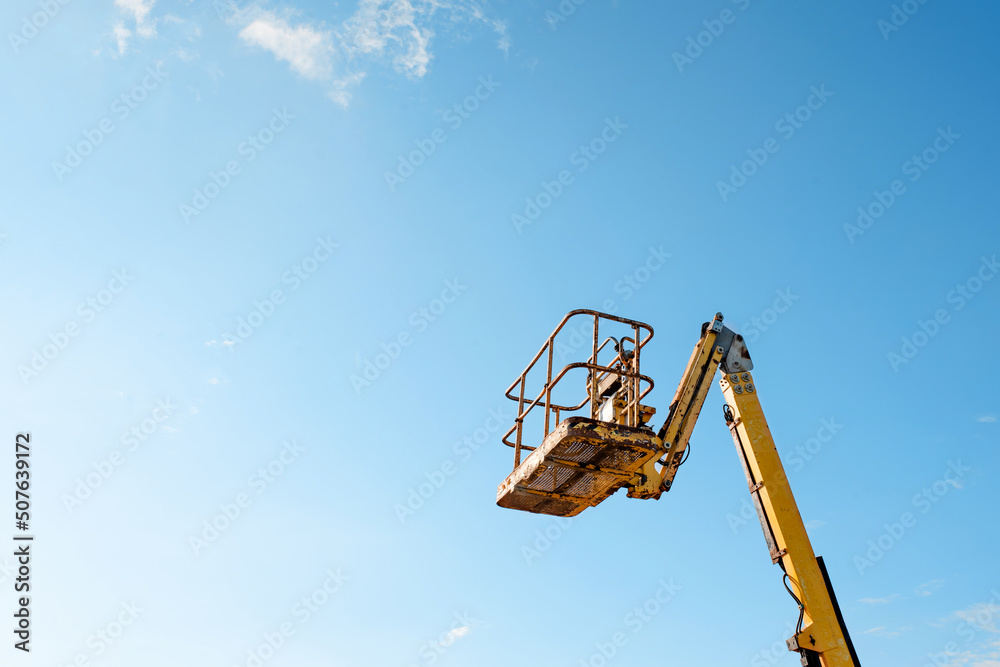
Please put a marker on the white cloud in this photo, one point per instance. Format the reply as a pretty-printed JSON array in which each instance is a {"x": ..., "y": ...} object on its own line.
[
  {"x": 121, "y": 37},
  {"x": 400, "y": 32},
  {"x": 981, "y": 616},
  {"x": 929, "y": 588},
  {"x": 309, "y": 51},
  {"x": 414, "y": 62},
  {"x": 455, "y": 634},
  {"x": 983, "y": 655},
  {"x": 394, "y": 33},
  {"x": 986, "y": 419},
  {"x": 500, "y": 28},
  {"x": 214, "y": 72},
  {"x": 392, "y": 28},
  {"x": 885, "y": 600},
  {"x": 882, "y": 631},
  {"x": 138, "y": 12},
  {"x": 339, "y": 92},
  {"x": 138, "y": 8}
]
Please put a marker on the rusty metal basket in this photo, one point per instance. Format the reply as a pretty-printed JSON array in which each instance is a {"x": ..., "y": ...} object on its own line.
[{"x": 589, "y": 450}]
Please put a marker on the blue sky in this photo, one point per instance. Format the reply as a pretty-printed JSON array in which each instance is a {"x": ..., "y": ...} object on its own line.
[{"x": 219, "y": 216}]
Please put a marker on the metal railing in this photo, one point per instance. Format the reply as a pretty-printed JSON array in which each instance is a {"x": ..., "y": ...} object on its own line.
[{"x": 624, "y": 366}]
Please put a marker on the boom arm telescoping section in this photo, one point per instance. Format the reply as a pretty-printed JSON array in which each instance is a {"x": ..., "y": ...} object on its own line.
[
  {"x": 719, "y": 345},
  {"x": 821, "y": 637}
]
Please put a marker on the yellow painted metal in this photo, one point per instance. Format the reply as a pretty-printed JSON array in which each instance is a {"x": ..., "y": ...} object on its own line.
[
  {"x": 585, "y": 460},
  {"x": 782, "y": 523},
  {"x": 655, "y": 479}
]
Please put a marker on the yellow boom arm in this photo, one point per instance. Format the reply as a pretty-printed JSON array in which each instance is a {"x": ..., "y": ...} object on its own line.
[{"x": 821, "y": 637}]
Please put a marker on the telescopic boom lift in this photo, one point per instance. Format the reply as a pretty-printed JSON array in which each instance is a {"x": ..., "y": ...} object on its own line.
[{"x": 582, "y": 460}]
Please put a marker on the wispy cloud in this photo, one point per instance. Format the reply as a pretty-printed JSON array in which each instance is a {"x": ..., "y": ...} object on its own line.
[
  {"x": 885, "y": 600},
  {"x": 395, "y": 29},
  {"x": 882, "y": 631},
  {"x": 121, "y": 34},
  {"x": 455, "y": 634},
  {"x": 985, "y": 655},
  {"x": 308, "y": 50},
  {"x": 135, "y": 12},
  {"x": 396, "y": 34},
  {"x": 339, "y": 90},
  {"x": 392, "y": 33},
  {"x": 986, "y": 419},
  {"x": 929, "y": 588},
  {"x": 503, "y": 43},
  {"x": 981, "y": 616}
]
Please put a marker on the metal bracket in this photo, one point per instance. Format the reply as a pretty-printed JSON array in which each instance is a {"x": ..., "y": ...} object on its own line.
[{"x": 737, "y": 357}]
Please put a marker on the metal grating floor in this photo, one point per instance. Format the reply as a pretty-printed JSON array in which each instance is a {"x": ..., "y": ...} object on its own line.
[{"x": 579, "y": 464}]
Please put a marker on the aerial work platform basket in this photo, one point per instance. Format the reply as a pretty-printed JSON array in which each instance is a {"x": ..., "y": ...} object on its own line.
[{"x": 587, "y": 450}]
